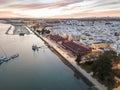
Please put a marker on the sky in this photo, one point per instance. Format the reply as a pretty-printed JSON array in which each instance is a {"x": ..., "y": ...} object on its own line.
[{"x": 59, "y": 8}]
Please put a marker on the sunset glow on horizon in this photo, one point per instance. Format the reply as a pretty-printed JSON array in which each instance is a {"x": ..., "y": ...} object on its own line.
[{"x": 59, "y": 8}]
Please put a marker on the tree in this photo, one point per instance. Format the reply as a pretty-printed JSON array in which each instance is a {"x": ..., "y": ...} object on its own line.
[
  {"x": 102, "y": 69},
  {"x": 43, "y": 31},
  {"x": 111, "y": 54},
  {"x": 78, "y": 59},
  {"x": 47, "y": 31},
  {"x": 36, "y": 26}
]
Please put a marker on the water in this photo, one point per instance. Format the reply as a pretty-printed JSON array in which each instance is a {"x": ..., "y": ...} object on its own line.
[{"x": 39, "y": 70}]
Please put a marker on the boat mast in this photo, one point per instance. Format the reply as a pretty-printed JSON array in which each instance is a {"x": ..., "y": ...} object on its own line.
[{"x": 3, "y": 51}]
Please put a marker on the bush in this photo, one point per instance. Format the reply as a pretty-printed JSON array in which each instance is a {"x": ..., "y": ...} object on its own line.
[
  {"x": 87, "y": 66},
  {"x": 89, "y": 62}
]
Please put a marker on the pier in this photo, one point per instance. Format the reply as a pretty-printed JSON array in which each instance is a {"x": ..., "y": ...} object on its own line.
[{"x": 8, "y": 30}]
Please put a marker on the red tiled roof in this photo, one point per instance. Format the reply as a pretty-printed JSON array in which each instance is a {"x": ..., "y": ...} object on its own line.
[
  {"x": 74, "y": 47},
  {"x": 57, "y": 38}
]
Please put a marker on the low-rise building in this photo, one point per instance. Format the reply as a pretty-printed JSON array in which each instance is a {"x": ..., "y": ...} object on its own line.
[
  {"x": 58, "y": 39},
  {"x": 96, "y": 46},
  {"x": 75, "y": 48}
]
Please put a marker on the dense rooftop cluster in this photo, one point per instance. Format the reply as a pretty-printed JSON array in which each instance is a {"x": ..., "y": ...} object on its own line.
[{"x": 90, "y": 32}]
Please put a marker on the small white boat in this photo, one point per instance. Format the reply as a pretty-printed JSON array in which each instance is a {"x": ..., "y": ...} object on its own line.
[
  {"x": 14, "y": 56},
  {"x": 2, "y": 59},
  {"x": 6, "y": 59}
]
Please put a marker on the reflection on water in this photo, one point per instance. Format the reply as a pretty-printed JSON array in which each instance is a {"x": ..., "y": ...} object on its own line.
[{"x": 41, "y": 70}]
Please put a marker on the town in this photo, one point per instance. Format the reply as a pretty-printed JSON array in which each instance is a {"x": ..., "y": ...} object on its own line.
[{"x": 85, "y": 41}]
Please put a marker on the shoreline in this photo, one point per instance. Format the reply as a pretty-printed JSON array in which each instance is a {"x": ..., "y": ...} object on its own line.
[
  {"x": 77, "y": 74},
  {"x": 88, "y": 79}
]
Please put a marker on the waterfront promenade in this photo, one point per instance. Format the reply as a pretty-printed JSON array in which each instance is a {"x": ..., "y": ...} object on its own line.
[{"x": 72, "y": 61}]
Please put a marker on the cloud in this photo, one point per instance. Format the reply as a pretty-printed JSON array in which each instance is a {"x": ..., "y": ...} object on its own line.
[
  {"x": 63, "y": 8},
  {"x": 5, "y": 1},
  {"x": 81, "y": 15},
  {"x": 34, "y": 6},
  {"x": 42, "y": 4},
  {"x": 92, "y": 6},
  {"x": 6, "y": 14}
]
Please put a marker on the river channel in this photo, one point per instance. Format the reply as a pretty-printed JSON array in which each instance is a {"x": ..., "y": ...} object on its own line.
[{"x": 33, "y": 70}]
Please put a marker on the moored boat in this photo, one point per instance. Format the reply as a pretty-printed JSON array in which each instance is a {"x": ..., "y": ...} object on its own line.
[
  {"x": 21, "y": 34},
  {"x": 6, "y": 59},
  {"x": 14, "y": 56},
  {"x": 2, "y": 59},
  {"x": 35, "y": 47}
]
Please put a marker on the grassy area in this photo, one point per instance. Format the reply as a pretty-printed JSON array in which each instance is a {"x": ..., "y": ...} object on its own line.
[{"x": 87, "y": 66}]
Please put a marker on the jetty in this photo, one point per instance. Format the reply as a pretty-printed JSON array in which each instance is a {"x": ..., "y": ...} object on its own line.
[{"x": 8, "y": 30}]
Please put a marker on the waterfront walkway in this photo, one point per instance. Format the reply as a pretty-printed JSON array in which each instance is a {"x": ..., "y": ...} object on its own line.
[{"x": 72, "y": 61}]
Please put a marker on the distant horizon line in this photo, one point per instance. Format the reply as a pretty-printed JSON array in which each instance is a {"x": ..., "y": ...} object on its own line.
[{"x": 104, "y": 17}]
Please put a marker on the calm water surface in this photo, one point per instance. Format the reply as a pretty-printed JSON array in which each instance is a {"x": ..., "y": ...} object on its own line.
[{"x": 41, "y": 70}]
